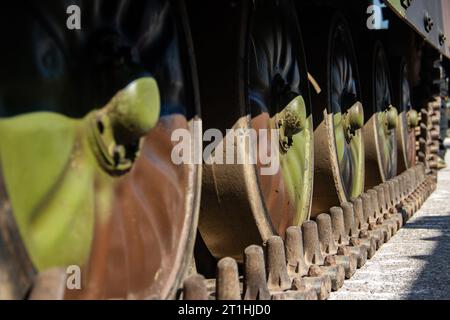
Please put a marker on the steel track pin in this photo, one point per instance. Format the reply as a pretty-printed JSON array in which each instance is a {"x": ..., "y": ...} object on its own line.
[
  {"x": 227, "y": 281},
  {"x": 366, "y": 240},
  {"x": 49, "y": 285},
  {"x": 255, "y": 283},
  {"x": 296, "y": 264},
  {"x": 367, "y": 211},
  {"x": 345, "y": 257},
  {"x": 194, "y": 288},
  {"x": 311, "y": 243},
  {"x": 334, "y": 269},
  {"x": 350, "y": 229},
  {"x": 278, "y": 278}
]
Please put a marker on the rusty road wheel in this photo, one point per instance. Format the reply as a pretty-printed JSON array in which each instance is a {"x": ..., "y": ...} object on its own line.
[
  {"x": 95, "y": 186},
  {"x": 338, "y": 112},
  {"x": 253, "y": 76},
  {"x": 408, "y": 117},
  {"x": 380, "y": 135}
]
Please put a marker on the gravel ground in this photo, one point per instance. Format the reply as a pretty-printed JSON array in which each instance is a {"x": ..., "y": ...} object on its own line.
[{"x": 415, "y": 263}]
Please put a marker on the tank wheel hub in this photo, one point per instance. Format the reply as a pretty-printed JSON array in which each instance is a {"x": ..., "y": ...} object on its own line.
[
  {"x": 116, "y": 130},
  {"x": 390, "y": 119},
  {"x": 291, "y": 121},
  {"x": 412, "y": 118},
  {"x": 353, "y": 120}
]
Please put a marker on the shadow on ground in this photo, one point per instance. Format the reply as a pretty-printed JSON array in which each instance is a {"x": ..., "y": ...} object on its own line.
[{"x": 433, "y": 282}]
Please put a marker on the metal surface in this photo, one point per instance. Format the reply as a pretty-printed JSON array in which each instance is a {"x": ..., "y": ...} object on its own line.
[
  {"x": 320, "y": 254},
  {"x": 429, "y": 18},
  {"x": 17, "y": 270},
  {"x": 277, "y": 78},
  {"x": 228, "y": 280},
  {"x": 277, "y": 273},
  {"x": 263, "y": 85},
  {"x": 88, "y": 126},
  {"x": 49, "y": 285},
  {"x": 379, "y": 131},
  {"x": 255, "y": 284},
  {"x": 408, "y": 118},
  {"x": 338, "y": 113},
  {"x": 334, "y": 270},
  {"x": 194, "y": 288}
]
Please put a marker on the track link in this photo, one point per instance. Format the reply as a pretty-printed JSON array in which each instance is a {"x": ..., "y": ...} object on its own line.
[{"x": 314, "y": 259}]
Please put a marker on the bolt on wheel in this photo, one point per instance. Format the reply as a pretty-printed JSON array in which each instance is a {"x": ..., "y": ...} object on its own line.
[
  {"x": 257, "y": 51},
  {"x": 408, "y": 117},
  {"x": 86, "y": 124}
]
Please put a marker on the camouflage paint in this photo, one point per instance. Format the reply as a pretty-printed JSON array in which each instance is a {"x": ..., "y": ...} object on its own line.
[
  {"x": 297, "y": 162},
  {"x": 53, "y": 176}
]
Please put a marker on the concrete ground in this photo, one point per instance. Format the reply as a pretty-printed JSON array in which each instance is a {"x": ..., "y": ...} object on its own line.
[{"x": 415, "y": 263}]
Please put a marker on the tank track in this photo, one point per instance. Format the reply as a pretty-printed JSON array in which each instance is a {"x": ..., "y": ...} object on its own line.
[
  {"x": 314, "y": 259},
  {"x": 317, "y": 257}
]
